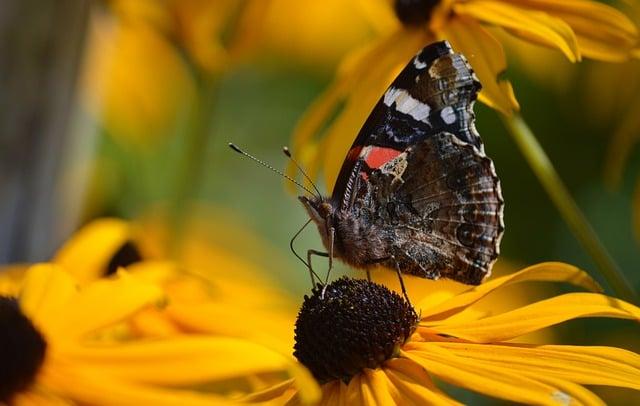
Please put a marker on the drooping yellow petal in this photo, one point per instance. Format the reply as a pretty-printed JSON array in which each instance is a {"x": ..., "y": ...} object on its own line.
[
  {"x": 45, "y": 295},
  {"x": 387, "y": 60},
  {"x": 88, "y": 252},
  {"x": 276, "y": 394},
  {"x": 623, "y": 140},
  {"x": 486, "y": 56},
  {"x": 363, "y": 78},
  {"x": 378, "y": 384},
  {"x": 636, "y": 211},
  {"x": 185, "y": 360},
  {"x": 535, "y": 25},
  {"x": 414, "y": 384},
  {"x": 107, "y": 302},
  {"x": 539, "y": 315},
  {"x": 543, "y": 272},
  {"x": 491, "y": 380},
  {"x": 331, "y": 393},
  {"x": 89, "y": 385},
  {"x": 353, "y": 394},
  {"x": 584, "y": 365},
  {"x": 602, "y": 31}
]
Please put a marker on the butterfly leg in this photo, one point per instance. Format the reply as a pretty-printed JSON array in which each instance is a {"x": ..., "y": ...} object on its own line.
[
  {"x": 313, "y": 273},
  {"x": 368, "y": 275},
  {"x": 332, "y": 233},
  {"x": 307, "y": 263},
  {"x": 404, "y": 290}
]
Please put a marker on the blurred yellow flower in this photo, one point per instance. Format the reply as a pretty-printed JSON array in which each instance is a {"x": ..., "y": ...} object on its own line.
[
  {"x": 50, "y": 353},
  {"x": 314, "y": 34},
  {"x": 209, "y": 289},
  {"x": 135, "y": 82},
  {"x": 115, "y": 336},
  {"x": 568, "y": 26},
  {"x": 466, "y": 349}
]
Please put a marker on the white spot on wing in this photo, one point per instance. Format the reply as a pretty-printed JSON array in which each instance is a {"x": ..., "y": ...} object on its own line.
[
  {"x": 448, "y": 115},
  {"x": 406, "y": 104},
  {"x": 418, "y": 63},
  {"x": 390, "y": 96}
]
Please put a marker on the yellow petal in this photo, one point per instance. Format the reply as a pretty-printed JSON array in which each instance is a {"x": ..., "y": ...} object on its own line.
[
  {"x": 353, "y": 395},
  {"x": 89, "y": 385},
  {"x": 621, "y": 145},
  {"x": 602, "y": 31},
  {"x": 585, "y": 365},
  {"x": 530, "y": 24},
  {"x": 331, "y": 393},
  {"x": 543, "y": 272},
  {"x": 363, "y": 78},
  {"x": 387, "y": 60},
  {"x": 45, "y": 295},
  {"x": 486, "y": 56},
  {"x": 278, "y": 394},
  {"x": 491, "y": 380},
  {"x": 88, "y": 252},
  {"x": 185, "y": 360},
  {"x": 414, "y": 384},
  {"x": 107, "y": 302},
  {"x": 539, "y": 315},
  {"x": 636, "y": 210},
  {"x": 378, "y": 385}
]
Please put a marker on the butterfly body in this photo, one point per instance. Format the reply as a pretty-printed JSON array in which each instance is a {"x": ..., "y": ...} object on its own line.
[{"x": 416, "y": 192}]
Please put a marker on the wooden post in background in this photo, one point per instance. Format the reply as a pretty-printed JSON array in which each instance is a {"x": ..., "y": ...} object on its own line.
[{"x": 41, "y": 43}]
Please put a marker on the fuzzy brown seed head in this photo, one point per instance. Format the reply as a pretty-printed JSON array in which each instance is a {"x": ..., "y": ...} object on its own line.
[
  {"x": 22, "y": 350},
  {"x": 356, "y": 325},
  {"x": 414, "y": 12}
]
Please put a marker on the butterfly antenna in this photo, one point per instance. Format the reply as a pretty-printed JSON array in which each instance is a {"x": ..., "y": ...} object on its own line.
[
  {"x": 307, "y": 177},
  {"x": 266, "y": 165}
]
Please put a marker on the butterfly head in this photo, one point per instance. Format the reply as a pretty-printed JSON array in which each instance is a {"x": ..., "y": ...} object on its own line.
[
  {"x": 320, "y": 209},
  {"x": 321, "y": 212}
]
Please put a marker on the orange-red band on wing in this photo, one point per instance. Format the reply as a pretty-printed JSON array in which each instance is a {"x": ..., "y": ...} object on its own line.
[{"x": 379, "y": 156}]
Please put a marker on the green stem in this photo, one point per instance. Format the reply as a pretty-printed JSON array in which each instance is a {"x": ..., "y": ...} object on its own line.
[{"x": 569, "y": 210}]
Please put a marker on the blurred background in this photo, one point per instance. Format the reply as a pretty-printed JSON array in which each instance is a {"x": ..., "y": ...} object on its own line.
[{"x": 125, "y": 109}]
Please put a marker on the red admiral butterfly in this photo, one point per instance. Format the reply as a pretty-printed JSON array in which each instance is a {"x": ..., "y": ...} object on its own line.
[{"x": 416, "y": 192}]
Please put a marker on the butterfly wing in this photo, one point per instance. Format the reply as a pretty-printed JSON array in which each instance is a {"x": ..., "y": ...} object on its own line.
[
  {"x": 433, "y": 93},
  {"x": 418, "y": 170}
]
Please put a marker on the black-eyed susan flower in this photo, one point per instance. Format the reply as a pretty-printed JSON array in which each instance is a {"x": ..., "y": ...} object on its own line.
[
  {"x": 209, "y": 289},
  {"x": 53, "y": 351},
  {"x": 367, "y": 346},
  {"x": 576, "y": 28}
]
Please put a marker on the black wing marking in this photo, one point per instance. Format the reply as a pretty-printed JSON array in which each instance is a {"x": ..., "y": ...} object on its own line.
[{"x": 433, "y": 93}]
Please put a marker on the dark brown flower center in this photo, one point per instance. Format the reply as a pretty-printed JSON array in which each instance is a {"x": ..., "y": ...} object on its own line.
[
  {"x": 356, "y": 325},
  {"x": 22, "y": 349},
  {"x": 414, "y": 12},
  {"x": 126, "y": 255}
]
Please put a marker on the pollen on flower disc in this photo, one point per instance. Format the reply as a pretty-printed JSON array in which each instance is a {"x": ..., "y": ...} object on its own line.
[
  {"x": 22, "y": 350},
  {"x": 356, "y": 325},
  {"x": 414, "y": 12}
]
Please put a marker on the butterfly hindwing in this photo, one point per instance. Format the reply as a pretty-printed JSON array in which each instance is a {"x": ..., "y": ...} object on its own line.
[{"x": 439, "y": 207}]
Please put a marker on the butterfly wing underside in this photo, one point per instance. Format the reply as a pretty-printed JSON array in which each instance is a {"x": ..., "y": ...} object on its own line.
[{"x": 418, "y": 166}]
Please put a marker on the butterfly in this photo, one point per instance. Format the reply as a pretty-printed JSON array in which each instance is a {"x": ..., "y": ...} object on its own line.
[{"x": 416, "y": 192}]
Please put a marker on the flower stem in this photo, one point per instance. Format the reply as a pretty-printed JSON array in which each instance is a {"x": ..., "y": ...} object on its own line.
[{"x": 569, "y": 210}]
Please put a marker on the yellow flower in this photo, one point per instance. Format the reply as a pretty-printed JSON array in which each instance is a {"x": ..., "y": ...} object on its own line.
[
  {"x": 209, "y": 289},
  {"x": 577, "y": 28},
  {"x": 366, "y": 345},
  {"x": 314, "y": 34},
  {"x": 135, "y": 82},
  {"x": 52, "y": 351}
]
